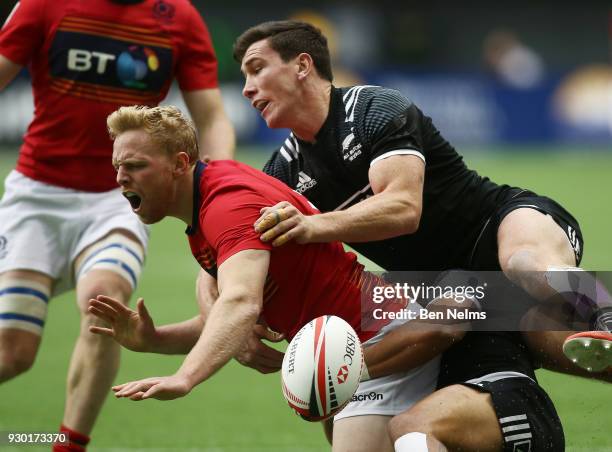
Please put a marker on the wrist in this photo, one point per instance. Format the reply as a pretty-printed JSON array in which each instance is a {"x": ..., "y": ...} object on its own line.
[
  {"x": 190, "y": 379},
  {"x": 153, "y": 344},
  {"x": 316, "y": 231}
]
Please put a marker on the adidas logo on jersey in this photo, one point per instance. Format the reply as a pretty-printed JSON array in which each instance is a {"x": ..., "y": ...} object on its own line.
[{"x": 305, "y": 182}]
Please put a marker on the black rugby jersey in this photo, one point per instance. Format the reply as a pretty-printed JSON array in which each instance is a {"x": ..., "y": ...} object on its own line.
[{"x": 366, "y": 123}]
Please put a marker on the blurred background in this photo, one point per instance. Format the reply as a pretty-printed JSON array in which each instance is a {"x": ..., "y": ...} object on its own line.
[
  {"x": 523, "y": 89},
  {"x": 523, "y": 72}
]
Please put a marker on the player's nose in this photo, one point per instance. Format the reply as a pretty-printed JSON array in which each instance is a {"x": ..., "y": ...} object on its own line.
[
  {"x": 249, "y": 89},
  {"x": 122, "y": 178}
]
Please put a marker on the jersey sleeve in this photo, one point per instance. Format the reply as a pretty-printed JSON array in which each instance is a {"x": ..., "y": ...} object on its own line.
[
  {"x": 228, "y": 223},
  {"x": 23, "y": 32},
  {"x": 392, "y": 126},
  {"x": 197, "y": 65}
]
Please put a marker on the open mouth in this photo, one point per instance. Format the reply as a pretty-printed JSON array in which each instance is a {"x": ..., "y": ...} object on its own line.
[
  {"x": 261, "y": 105},
  {"x": 133, "y": 199}
]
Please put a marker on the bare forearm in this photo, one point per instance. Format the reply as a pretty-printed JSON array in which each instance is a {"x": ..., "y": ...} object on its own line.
[
  {"x": 379, "y": 217},
  {"x": 229, "y": 323},
  {"x": 217, "y": 138},
  {"x": 177, "y": 338},
  {"x": 403, "y": 349}
]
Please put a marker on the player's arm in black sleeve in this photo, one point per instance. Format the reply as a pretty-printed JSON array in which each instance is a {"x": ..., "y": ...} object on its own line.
[{"x": 390, "y": 130}]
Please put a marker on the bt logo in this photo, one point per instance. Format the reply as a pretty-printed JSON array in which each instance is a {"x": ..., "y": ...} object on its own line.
[
  {"x": 83, "y": 60},
  {"x": 132, "y": 66}
]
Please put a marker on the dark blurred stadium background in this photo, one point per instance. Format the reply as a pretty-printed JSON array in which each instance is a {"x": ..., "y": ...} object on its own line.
[
  {"x": 520, "y": 72},
  {"x": 522, "y": 88}
]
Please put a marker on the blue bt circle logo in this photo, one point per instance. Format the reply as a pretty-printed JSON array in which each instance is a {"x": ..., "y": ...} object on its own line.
[{"x": 134, "y": 64}]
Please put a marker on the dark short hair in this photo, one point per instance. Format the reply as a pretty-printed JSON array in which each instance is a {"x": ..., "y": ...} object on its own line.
[{"x": 289, "y": 38}]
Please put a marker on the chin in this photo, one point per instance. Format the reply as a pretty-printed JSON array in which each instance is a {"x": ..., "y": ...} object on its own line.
[
  {"x": 149, "y": 220},
  {"x": 273, "y": 123}
]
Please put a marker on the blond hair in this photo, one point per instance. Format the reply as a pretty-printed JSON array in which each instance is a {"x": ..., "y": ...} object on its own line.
[{"x": 166, "y": 125}]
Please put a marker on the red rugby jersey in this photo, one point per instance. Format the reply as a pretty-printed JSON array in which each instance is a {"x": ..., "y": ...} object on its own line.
[
  {"x": 304, "y": 281},
  {"x": 88, "y": 58}
]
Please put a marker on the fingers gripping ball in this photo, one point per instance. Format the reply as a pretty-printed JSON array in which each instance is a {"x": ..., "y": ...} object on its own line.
[{"x": 321, "y": 368}]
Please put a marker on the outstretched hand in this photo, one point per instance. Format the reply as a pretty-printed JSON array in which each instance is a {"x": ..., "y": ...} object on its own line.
[
  {"x": 132, "y": 329},
  {"x": 282, "y": 223},
  {"x": 160, "y": 388},
  {"x": 258, "y": 355}
]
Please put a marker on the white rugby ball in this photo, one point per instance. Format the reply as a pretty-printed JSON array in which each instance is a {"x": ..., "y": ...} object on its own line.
[{"x": 322, "y": 367}]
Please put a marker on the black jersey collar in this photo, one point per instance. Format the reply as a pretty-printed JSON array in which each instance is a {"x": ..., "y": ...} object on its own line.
[{"x": 197, "y": 176}]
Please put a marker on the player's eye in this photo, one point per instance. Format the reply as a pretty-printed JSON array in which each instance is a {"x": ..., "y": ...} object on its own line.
[{"x": 134, "y": 166}]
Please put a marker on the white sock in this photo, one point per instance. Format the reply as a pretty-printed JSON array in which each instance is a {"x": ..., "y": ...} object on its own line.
[{"x": 411, "y": 442}]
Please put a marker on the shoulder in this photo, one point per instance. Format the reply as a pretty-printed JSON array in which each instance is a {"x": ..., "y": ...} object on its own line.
[
  {"x": 364, "y": 98},
  {"x": 229, "y": 178},
  {"x": 26, "y": 10},
  {"x": 384, "y": 104},
  {"x": 372, "y": 108},
  {"x": 182, "y": 8}
]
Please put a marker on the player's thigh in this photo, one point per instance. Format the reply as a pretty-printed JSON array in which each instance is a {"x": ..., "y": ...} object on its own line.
[
  {"x": 460, "y": 417},
  {"x": 24, "y": 296},
  {"x": 527, "y": 229},
  {"x": 362, "y": 434},
  {"x": 110, "y": 266}
]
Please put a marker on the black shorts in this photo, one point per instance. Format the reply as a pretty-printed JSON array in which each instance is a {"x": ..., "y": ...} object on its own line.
[
  {"x": 484, "y": 253},
  {"x": 526, "y": 415}
]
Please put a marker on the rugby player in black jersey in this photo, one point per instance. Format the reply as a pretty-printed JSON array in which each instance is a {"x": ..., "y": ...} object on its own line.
[{"x": 395, "y": 190}]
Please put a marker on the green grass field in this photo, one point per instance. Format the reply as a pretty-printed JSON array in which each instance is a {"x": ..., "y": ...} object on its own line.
[{"x": 241, "y": 410}]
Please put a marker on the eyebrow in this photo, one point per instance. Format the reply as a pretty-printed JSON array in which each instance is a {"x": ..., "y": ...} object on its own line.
[
  {"x": 249, "y": 62},
  {"x": 125, "y": 161}
]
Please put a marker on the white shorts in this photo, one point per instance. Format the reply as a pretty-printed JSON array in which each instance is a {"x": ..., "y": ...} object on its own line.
[
  {"x": 392, "y": 394},
  {"x": 44, "y": 228}
]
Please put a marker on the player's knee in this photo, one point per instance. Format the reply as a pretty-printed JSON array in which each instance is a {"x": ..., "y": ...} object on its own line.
[
  {"x": 519, "y": 261},
  {"x": 23, "y": 310},
  {"x": 416, "y": 421},
  {"x": 407, "y": 423},
  {"x": 14, "y": 360},
  {"x": 103, "y": 283}
]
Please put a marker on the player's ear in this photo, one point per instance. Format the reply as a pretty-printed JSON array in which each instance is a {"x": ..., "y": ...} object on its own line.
[
  {"x": 305, "y": 65},
  {"x": 181, "y": 163}
]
